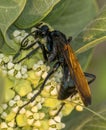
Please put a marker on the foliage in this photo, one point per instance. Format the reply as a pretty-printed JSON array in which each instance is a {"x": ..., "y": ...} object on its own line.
[{"x": 80, "y": 19}]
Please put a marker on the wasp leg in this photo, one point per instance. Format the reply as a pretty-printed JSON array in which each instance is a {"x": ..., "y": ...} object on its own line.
[
  {"x": 61, "y": 107},
  {"x": 28, "y": 55},
  {"x": 33, "y": 51},
  {"x": 93, "y": 77},
  {"x": 44, "y": 51},
  {"x": 55, "y": 67}
]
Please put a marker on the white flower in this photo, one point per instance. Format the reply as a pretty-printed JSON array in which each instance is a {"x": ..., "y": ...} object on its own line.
[
  {"x": 35, "y": 66},
  {"x": 17, "y": 66},
  {"x": 1, "y": 60},
  {"x": 16, "y": 33},
  {"x": 10, "y": 65},
  {"x": 11, "y": 72},
  {"x": 30, "y": 95},
  {"x": 15, "y": 109},
  {"x": 53, "y": 112},
  {"x": 44, "y": 75},
  {"x": 24, "y": 76},
  {"x": 4, "y": 72},
  {"x": 37, "y": 123},
  {"x": 22, "y": 111},
  {"x": 29, "y": 113},
  {"x": 50, "y": 128},
  {"x": 11, "y": 103},
  {"x": 38, "y": 98},
  {"x": 54, "y": 92},
  {"x": 23, "y": 70},
  {"x": 52, "y": 122},
  {"x": 30, "y": 121},
  {"x": 1, "y": 55},
  {"x": 23, "y": 33},
  {"x": 40, "y": 62},
  {"x": 3, "y": 67},
  {"x": 41, "y": 115},
  {"x": 19, "y": 102},
  {"x": 39, "y": 106},
  {"x": 79, "y": 108},
  {"x": 18, "y": 39},
  {"x": 60, "y": 125},
  {"x": 47, "y": 88},
  {"x": 17, "y": 97},
  {"x": 57, "y": 118},
  {"x": 36, "y": 116},
  {"x": 4, "y": 106},
  {"x": 10, "y": 58},
  {"x": 3, "y": 125},
  {"x": 33, "y": 103},
  {"x": 18, "y": 75},
  {"x": 11, "y": 124},
  {"x": 34, "y": 109},
  {"x": 3, "y": 115},
  {"x": 63, "y": 125},
  {"x": 42, "y": 100},
  {"x": 6, "y": 59},
  {"x": 38, "y": 73}
]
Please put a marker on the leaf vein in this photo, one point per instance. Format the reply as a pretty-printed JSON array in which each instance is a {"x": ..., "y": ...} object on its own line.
[
  {"x": 97, "y": 29},
  {"x": 10, "y": 7},
  {"x": 98, "y": 126},
  {"x": 100, "y": 19}
]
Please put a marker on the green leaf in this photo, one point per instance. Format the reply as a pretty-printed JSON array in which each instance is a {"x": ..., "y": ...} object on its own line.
[
  {"x": 34, "y": 12},
  {"x": 1, "y": 39},
  {"x": 71, "y": 16},
  {"x": 9, "y": 12},
  {"x": 94, "y": 34},
  {"x": 86, "y": 120}
]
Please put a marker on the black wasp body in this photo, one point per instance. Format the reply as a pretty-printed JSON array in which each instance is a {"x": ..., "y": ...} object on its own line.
[
  {"x": 56, "y": 45},
  {"x": 58, "y": 50},
  {"x": 55, "y": 39}
]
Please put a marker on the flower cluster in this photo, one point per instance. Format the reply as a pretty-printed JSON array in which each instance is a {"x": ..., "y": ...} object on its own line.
[
  {"x": 21, "y": 85},
  {"x": 11, "y": 69}
]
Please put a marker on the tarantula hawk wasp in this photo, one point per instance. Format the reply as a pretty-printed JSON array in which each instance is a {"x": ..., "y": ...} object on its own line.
[{"x": 58, "y": 49}]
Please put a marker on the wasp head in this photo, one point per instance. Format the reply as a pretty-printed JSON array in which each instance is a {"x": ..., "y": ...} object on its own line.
[{"x": 43, "y": 31}]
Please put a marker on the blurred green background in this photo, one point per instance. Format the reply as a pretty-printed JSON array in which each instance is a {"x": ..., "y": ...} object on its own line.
[{"x": 97, "y": 66}]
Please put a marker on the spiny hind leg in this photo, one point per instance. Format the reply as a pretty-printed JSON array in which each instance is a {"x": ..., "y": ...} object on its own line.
[{"x": 92, "y": 76}]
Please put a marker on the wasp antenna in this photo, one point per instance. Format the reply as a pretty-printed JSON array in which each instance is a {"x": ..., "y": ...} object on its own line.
[
  {"x": 24, "y": 44},
  {"x": 28, "y": 35}
]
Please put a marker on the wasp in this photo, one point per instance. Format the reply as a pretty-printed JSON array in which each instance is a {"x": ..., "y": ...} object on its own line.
[{"x": 59, "y": 51}]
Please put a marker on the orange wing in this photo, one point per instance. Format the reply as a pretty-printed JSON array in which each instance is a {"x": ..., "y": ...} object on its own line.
[{"x": 77, "y": 74}]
